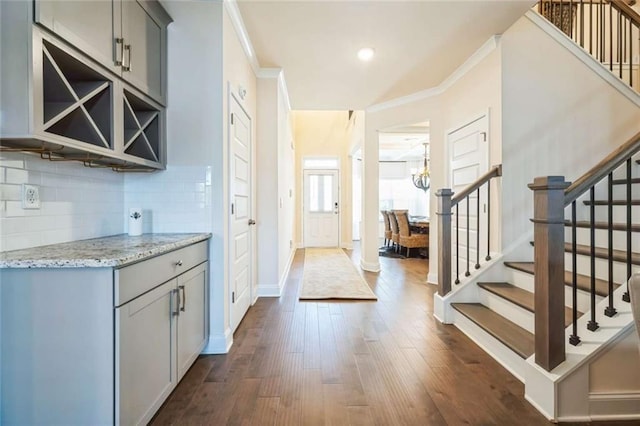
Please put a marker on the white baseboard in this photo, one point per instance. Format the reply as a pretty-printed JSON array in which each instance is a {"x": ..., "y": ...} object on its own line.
[
  {"x": 370, "y": 266},
  {"x": 432, "y": 278},
  {"x": 219, "y": 343},
  {"x": 269, "y": 290},
  {"x": 542, "y": 410},
  {"x": 614, "y": 406}
]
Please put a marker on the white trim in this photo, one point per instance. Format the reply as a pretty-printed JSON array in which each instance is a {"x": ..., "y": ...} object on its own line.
[
  {"x": 266, "y": 290},
  {"x": 432, "y": 278},
  {"x": 614, "y": 406},
  {"x": 540, "y": 409},
  {"x": 269, "y": 72},
  {"x": 583, "y": 56},
  {"x": 219, "y": 343},
  {"x": 241, "y": 32},
  {"x": 285, "y": 90},
  {"x": 473, "y": 60},
  {"x": 370, "y": 266}
]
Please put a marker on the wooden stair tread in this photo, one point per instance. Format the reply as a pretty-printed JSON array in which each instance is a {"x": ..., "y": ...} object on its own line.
[
  {"x": 624, "y": 181},
  {"x": 604, "y": 225},
  {"x": 514, "y": 337},
  {"x": 603, "y": 253},
  {"x": 584, "y": 282},
  {"x": 613, "y": 202},
  {"x": 523, "y": 298}
]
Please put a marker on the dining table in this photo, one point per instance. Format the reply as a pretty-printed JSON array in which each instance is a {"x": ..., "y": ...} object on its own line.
[{"x": 419, "y": 224}]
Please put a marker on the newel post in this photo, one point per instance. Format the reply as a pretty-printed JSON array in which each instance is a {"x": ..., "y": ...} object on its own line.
[
  {"x": 444, "y": 240},
  {"x": 548, "y": 219}
]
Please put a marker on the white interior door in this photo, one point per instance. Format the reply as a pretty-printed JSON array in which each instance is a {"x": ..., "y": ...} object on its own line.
[
  {"x": 468, "y": 148},
  {"x": 321, "y": 208},
  {"x": 240, "y": 250}
]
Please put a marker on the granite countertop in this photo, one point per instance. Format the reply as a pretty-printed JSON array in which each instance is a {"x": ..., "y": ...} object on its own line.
[{"x": 113, "y": 251}]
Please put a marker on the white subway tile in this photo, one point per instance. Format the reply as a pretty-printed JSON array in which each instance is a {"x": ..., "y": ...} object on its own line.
[
  {"x": 17, "y": 176},
  {"x": 10, "y": 192}
]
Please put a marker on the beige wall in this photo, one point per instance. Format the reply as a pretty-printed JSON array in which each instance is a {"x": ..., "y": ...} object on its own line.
[{"x": 324, "y": 133}]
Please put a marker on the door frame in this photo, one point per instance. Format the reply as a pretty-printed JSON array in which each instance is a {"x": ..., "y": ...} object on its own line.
[
  {"x": 233, "y": 98},
  {"x": 302, "y": 193}
]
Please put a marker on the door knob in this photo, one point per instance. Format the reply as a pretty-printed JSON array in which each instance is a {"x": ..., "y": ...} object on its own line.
[{"x": 252, "y": 222}]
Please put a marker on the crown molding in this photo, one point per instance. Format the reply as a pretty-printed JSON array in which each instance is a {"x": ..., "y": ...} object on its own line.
[
  {"x": 238, "y": 24},
  {"x": 473, "y": 60}
]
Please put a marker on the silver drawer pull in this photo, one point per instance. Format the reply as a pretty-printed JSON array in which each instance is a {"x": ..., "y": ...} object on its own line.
[
  {"x": 177, "y": 310},
  {"x": 179, "y": 263},
  {"x": 184, "y": 298}
]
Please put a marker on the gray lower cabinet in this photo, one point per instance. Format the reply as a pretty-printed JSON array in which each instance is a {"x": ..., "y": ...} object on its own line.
[
  {"x": 99, "y": 346},
  {"x": 160, "y": 334}
]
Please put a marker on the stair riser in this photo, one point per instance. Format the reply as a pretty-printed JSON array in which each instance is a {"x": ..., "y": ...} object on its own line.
[
  {"x": 501, "y": 353},
  {"x": 602, "y": 268},
  {"x": 508, "y": 310},
  {"x": 525, "y": 282},
  {"x": 583, "y": 237}
]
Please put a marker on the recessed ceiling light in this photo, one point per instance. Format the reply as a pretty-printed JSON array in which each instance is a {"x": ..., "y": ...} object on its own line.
[{"x": 366, "y": 54}]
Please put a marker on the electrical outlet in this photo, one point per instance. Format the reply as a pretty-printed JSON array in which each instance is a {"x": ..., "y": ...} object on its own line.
[{"x": 30, "y": 196}]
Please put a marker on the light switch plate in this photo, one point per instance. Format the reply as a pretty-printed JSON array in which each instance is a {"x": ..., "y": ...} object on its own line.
[{"x": 30, "y": 196}]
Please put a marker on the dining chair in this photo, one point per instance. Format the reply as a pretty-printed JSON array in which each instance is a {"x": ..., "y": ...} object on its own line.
[
  {"x": 406, "y": 237},
  {"x": 395, "y": 237},
  {"x": 387, "y": 228}
]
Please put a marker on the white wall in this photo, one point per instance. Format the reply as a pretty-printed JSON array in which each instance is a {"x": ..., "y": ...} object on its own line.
[
  {"x": 275, "y": 185},
  {"x": 559, "y": 118},
  {"x": 76, "y": 202}
]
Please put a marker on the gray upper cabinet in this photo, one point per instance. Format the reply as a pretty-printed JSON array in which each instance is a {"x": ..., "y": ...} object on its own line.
[
  {"x": 128, "y": 37},
  {"x": 87, "y": 25},
  {"x": 87, "y": 81}
]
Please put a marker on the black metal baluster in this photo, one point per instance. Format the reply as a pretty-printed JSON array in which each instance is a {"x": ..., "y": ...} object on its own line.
[
  {"x": 477, "y": 266},
  {"x": 467, "y": 273},
  {"x": 574, "y": 339},
  {"x": 625, "y": 296},
  {"x": 457, "y": 281},
  {"x": 488, "y": 221},
  {"x": 610, "y": 310},
  {"x": 593, "y": 324}
]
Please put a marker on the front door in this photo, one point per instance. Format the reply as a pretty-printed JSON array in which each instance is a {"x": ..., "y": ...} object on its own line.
[
  {"x": 321, "y": 209},
  {"x": 468, "y": 148},
  {"x": 240, "y": 273}
]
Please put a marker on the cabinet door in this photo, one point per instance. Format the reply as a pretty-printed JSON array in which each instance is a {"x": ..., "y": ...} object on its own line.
[
  {"x": 87, "y": 25},
  {"x": 145, "y": 354},
  {"x": 192, "y": 321},
  {"x": 144, "y": 50}
]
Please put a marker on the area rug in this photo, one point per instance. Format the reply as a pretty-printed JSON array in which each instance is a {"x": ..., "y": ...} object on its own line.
[{"x": 329, "y": 274}]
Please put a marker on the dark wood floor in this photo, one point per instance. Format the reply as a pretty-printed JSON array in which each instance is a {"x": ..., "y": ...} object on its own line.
[{"x": 350, "y": 363}]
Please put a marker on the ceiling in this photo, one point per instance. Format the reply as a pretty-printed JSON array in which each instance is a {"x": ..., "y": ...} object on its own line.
[
  {"x": 417, "y": 43},
  {"x": 403, "y": 143}
]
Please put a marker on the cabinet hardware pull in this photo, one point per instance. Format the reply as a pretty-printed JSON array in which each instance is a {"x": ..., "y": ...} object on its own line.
[
  {"x": 184, "y": 298},
  {"x": 179, "y": 263},
  {"x": 119, "y": 58},
  {"x": 177, "y": 311},
  {"x": 127, "y": 67}
]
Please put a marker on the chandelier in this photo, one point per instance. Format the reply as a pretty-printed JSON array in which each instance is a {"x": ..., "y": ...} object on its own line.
[{"x": 421, "y": 178}]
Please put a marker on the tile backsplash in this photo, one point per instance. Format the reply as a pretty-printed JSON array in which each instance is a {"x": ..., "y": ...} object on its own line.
[
  {"x": 177, "y": 199},
  {"x": 76, "y": 202},
  {"x": 79, "y": 202}
]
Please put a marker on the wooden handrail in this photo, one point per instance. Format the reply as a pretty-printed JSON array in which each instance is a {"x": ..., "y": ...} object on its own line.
[
  {"x": 602, "y": 169},
  {"x": 626, "y": 10},
  {"x": 495, "y": 171}
]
